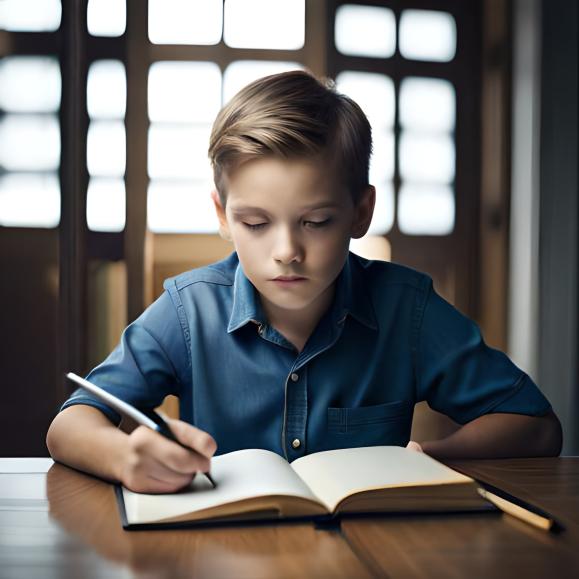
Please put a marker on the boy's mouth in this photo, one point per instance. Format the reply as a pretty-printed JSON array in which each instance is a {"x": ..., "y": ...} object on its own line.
[{"x": 288, "y": 278}]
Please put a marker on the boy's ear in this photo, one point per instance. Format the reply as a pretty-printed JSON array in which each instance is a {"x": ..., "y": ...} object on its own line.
[
  {"x": 219, "y": 209},
  {"x": 363, "y": 212}
]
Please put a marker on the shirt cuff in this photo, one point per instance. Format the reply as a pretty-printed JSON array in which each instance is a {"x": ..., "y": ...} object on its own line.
[
  {"x": 525, "y": 399},
  {"x": 111, "y": 414}
]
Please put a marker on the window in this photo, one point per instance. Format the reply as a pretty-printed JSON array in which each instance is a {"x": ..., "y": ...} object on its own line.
[
  {"x": 30, "y": 89},
  {"x": 106, "y": 145},
  {"x": 106, "y": 17},
  {"x": 365, "y": 31},
  {"x": 426, "y": 128},
  {"x": 185, "y": 95},
  {"x": 156, "y": 75},
  {"x": 375, "y": 94},
  {"x": 30, "y": 15},
  {"x": 424, "y": 162},
  {"x": 427, "y": 35}
]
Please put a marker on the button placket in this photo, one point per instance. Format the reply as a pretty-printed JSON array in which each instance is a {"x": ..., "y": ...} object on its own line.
[{"x": 295, "y": 415}]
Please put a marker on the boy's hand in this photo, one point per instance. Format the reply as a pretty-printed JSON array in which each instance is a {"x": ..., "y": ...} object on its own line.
[
  {"x": 414, "y": 446},
  {"x": 155, "y": 464}
]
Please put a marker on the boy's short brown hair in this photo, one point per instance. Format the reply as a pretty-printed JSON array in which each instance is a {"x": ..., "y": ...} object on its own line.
[{"x": 292, "y": 115}]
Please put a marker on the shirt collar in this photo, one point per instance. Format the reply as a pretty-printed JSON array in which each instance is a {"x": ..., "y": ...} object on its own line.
[
  {"x": 351, "y": 298},
  {"x": 246, "y": 305}
]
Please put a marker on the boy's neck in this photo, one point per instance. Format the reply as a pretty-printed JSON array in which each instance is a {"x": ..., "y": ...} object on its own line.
[{"x": 297, "y": 325}]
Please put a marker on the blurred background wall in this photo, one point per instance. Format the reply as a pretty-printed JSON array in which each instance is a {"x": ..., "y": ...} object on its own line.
[{"x": 105, "y": 113}]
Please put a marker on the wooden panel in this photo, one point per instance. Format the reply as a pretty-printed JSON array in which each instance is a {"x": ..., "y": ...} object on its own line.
[
  {"x": 136, "y": 240},
  {"x": 495, "y": 173},
  {"x": 73, "y": 184},
  {"x": 176, "y": 253},
  {"x": 29, "y": 352},
  {"x": 107, "y": 307}
]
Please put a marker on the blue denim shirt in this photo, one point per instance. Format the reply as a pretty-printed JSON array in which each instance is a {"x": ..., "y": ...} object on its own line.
[{"x": 387, "y": 342}]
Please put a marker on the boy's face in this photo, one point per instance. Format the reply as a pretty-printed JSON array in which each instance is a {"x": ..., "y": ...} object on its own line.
[{"x": 291, "y": 227}]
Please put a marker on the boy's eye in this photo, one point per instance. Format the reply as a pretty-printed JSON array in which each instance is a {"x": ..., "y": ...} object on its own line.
[
  {"x": 254, "y": 226},
  {"x": 309, "y": 223},
  {"x": 316, "y": 224}
]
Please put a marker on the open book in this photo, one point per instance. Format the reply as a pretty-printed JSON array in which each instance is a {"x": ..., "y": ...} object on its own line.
[{"x": 258, "y": 484}]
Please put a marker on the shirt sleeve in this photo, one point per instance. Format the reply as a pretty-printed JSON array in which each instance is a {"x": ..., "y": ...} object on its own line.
[
  {"x": 462, "y": 377},
  {"x": 150, "y": 362}
]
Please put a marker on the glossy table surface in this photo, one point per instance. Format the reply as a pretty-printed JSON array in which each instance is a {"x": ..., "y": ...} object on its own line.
[{"x": 56, "y": 522}]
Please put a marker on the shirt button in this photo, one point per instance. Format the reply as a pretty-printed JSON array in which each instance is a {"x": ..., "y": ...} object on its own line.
[
  {"x": 296, "y": 443},
  {"x": 295, "y": 377}
]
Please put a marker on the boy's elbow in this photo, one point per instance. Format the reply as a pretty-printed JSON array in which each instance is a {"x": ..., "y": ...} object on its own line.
[
  {"x": 551, "y": 435},
  {"x": 51, "y": 439},
  {"x": 57, "y": 434}
]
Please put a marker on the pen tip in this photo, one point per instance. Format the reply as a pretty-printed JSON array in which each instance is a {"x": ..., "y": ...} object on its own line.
[{"x": 210, "y": 478}]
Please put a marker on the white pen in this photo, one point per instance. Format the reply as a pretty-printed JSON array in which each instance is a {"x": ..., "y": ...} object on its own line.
[{"x": 152, "y": 420}]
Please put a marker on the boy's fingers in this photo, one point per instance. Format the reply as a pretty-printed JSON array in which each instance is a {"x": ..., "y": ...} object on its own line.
[
  {"x": 185, "y": 462},
  {"x": 180, "y": 460},
  {"x": 172, "y": 479},
  {"x": 414, "y": 446},
  {"x": 159, "y": 482},
  {"x": 198, "y": 440},
  {"x": 167, "y": 454}
]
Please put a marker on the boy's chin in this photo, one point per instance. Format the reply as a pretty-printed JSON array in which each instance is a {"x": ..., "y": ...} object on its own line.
[{"x": 291, "y": 303}]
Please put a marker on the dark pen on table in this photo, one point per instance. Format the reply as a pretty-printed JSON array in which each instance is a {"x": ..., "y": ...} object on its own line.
[{"x": 151, "y": 419}]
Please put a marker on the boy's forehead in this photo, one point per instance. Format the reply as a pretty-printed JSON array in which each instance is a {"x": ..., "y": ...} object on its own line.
[{"x": 309, "y": 180}]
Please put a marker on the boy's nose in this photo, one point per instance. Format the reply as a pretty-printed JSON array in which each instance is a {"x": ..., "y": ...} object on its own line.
[{"x": 287, "y": 248}]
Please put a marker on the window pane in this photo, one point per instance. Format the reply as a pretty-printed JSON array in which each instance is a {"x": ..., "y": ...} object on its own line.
[
  {"x": 278, "y": 24},
  {"x": 382, "y": 160},
  {"x": 106, "y": 17},
  {"x": 241, "y": 72},
  {"x": 427, "y": 35},
  {"x": 105, "y": 205},
  {"x": 427, "y": 104},
  {"x": 106, "y": 90},
  {"x": 184, "y": 91},
  {"x": 181, "y": 207},
  {"x": 373, "y": 92},
  {"x": 106, "y": 148},
  {"x": 427, "y": 158},
  {"x": 29, "y": 200},
  {"x": 30, "y": 15},
  {"x": 29, "y": 143},
  {"x": 178, "y": 151},
  {"x": 426, "y": 210},
  {"x": 185, "y": 21},
  {"x": 383, "y": 217},
  {"x": 30, "y": 84},
  {"x": 365, "y": 30}
]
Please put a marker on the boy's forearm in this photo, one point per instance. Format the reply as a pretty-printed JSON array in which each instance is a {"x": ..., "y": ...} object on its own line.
[
  {"x": 82, "y": 437},
  {"x": 501, "y": 436}
]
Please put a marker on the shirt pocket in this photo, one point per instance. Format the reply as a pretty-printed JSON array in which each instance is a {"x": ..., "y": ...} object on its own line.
[{"x": 380, "y": 424}]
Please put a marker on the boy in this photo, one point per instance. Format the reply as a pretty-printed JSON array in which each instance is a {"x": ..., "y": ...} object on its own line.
[{"x": 292, "y": 343}]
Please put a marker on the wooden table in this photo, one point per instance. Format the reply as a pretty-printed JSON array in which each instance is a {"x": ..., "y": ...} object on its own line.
[{"x": 58, "y": 523}]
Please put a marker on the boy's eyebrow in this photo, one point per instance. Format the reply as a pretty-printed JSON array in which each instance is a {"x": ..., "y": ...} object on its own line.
[
  {"x": 241, "y": 209},
  {"x": 323, "y": 205}
]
